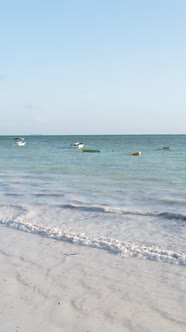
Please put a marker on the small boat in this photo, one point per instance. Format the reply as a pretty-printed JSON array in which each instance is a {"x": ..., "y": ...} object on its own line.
[
  {"x": 167, "y": 148},
  {"x": 137, "y": 153},
  {"x": 20, "y": 141},
  {"x": 90, "y": 150},
  {"x": 77, "y": 145}
]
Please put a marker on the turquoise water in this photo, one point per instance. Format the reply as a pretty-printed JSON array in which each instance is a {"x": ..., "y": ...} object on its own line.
[{"x": 132, "y": 205}]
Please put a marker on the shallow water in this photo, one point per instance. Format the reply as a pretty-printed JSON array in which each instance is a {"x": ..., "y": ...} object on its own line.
[{"x": 111, "y": 200}]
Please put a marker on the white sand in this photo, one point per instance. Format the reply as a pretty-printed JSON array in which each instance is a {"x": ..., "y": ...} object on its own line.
[{"x": 51, "y": 286}]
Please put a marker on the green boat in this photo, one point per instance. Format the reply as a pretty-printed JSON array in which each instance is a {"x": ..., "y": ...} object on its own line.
[{"x": 90, "y": 150}]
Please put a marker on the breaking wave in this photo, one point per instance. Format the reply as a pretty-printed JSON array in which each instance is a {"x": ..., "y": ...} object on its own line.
[
  {"x": 100, "y": 209},
  {"x": 121, "y": 248},
  {"x": 105, "y": 209}
]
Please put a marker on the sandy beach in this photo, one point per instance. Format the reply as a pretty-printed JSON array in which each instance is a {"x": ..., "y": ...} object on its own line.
[
  {"x": 93, "y": 166},
  {"x": 49, "y": 286}
]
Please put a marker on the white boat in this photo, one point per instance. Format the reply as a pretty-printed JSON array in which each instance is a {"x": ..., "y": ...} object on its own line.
[
  {"x": 20, "y": 141},
  {"x": 77, "y": 145}
]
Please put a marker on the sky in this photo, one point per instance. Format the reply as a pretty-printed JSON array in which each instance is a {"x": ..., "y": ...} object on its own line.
[{"x": 78, "y": 67}]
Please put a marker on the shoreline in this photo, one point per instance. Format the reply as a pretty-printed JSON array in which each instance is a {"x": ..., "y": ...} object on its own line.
[{"x": 48, "y": 285}]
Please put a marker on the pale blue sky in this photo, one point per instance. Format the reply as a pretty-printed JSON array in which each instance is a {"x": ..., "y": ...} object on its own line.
[{"x": 92, "y": 67}]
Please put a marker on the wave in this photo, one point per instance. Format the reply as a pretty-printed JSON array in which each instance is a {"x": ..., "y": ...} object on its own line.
[
  {"x": 103, "y": 209},
  {"x": 48, "y": 195},
  {"x": 100, "y": 209},
  {"x": 124, "y": 249}
]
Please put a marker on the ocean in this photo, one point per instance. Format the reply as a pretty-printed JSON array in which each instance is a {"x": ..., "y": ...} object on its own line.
[{"x": 132, "y": 206}]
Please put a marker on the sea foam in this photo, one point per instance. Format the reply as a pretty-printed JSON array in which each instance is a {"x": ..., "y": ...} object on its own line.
[{"x": 122, "y": 248}]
